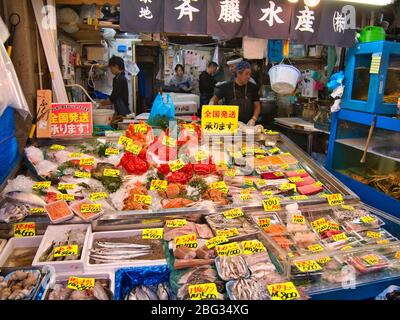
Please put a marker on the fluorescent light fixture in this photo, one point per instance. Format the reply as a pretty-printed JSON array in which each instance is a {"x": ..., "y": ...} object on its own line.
[
  {"x": 311, "y": 3},
  {"x": 293, "y": 1},
  {"x": 370, "y": 2}
]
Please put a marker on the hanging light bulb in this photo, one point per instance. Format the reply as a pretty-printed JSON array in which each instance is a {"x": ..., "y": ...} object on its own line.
[
  {"x": 293, "y": 1},
  {"x": 311, "y": 3}
]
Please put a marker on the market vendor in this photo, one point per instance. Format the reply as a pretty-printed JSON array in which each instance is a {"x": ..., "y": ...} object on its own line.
[
  {"x": 232, "y": 63},
  {"x": 207, "y": 83},
  {"x": 240, "y": 92},
  {"x": 119, "y": 96},
  {"x": 180, "y": 81}
]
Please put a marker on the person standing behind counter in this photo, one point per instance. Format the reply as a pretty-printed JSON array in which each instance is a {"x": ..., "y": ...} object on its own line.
[
  {"x": 120, "y": 94},
  {"x": 207, "y": 84},
  {"x": 241, "y": 92},
  {"x": 180, "y": 80}
]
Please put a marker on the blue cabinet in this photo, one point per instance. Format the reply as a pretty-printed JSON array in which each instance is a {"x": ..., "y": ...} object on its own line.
[{"x": 377, "y": 181}]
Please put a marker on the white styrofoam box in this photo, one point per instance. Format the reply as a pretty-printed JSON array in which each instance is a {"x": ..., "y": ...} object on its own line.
[
  {"x": 2, "y": 244},
  {"x": 186, "y": 97},
  {"x": 61, "y": 277},
  {"x": 116, "y": 265},
  {"x": 14, "y": 243},
  {"x": 58, "y": 234},
  {"x": 185, "y": 107}
]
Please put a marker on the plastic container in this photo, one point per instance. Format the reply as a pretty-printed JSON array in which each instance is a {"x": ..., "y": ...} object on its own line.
[
  {"x": 87, "y": 217},
  {"x": 103, "y": 116},
  {"x": 276, "y": 227},
  {"x": 115, "y": 265},
  {"x": 58, "y": 234},
  {"x": 363, "y": 223},
  {"x": 352, "y": 239},
  {"x": 378, "y": 236},
  {"x": 33, "y": 290},
  {"x": 284, "y": 78},
  {"x": 59, "y": 211},
  {"x": 372, "y": 33},
  {"x": 16, "y": 243},
  {"x": 369, "y": 261}
]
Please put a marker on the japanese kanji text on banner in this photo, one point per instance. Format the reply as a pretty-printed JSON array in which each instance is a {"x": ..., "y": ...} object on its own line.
[
  {"x": 71, "y": 119},
  {"x": 220, "y": 119}
]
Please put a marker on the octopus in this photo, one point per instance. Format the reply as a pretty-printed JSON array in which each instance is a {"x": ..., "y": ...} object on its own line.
[
  {"x": 130, "y": 204},
  {"x": 173, "y": 191},
  {"x": 216, "y": 196},
  {"x": 175, "y": 203}
]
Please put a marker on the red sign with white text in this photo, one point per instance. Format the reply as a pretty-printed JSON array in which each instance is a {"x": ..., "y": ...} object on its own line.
[{"x": 71, "y": 119}]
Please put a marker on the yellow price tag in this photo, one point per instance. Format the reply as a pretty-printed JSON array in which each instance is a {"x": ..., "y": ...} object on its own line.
[
  {"x": 260, "y": 151},
  {"x": 229, "y": 249},
  {"x": 204, "y": 291},
  {"x": 272, "y": 204},
  {"x": 201, "y": 156},
  {"x": 339, "y": 237},
  {"x": 261, "y": 183},
  {"x": 139, "y": 198},
  {"x": 38, "y": 211},
  {"x": 42, "y": 185},
  {"x": 283, "y": 291},
  {"x": 124, "y": 141},
  {"x": 220, "y": 185},
  {"x": 335, "y": 199},
  {"x": 318, "y": 184},
  {"x": 302, "y": 197},
  {"x": 263, "y": 168},
  {"x": 346, "y": 248},
  {"x": 91, "y": 208},
  {"x": 386, "y": 241},
  {"x": 86, "y": 162},
  {"x": 267, "y": 193},
  {"x": 169, "y": 142},
  {"x": 22, "y": 230},
  {"x": 315, "y": 248},
  {"x": 253, "y": 246},
  {"x": 332, "y": 226},
  {"x": 57, "y": 147},
  {"x": 318, "y": 222},
  {"x": 76, "y": 155},
  {"x": 231, "y": 173},
  {"x": 307, "y": 266},
  {"x": 274, "y": 150},
  {"x": 246, "y": 197},
  {"x": 397, "y": 255},
  {"x": 140, "y": 128},
  {"x": 66, "y": 251},
  {"x": 234, "y": 213},
  {"x": 301, "y": 171},
  {"x": 133, "y": 148},
  {"x": 371, "y": 259},
  {"x": 159, "y": 185},
  {"x": 248, "y": 190},
  {"x": 296, "y": 179},
  {"x": 211, "y": 243},
  {"x": 82, "y": 174},
  {"x": 367, "y": 219},
  {"x": 81, "y": 284},
  {"x": 111, "y": 173},
  {"x": 324, "y": 260},
  {"x": 112, "y": 151},
  {"x": 176, "y": 223},
  {"x": 279, "y": 174},
  {"x": 66, "y": 186},
  {"x": 188, "y": 241},
  {"x": 346, "y": 207},
  {"x": 299, "y": 219},
  {"x": 152, "y": 234},
  {"x": 176, "y": 165},
  {"x": 66, "y": 197},
  {"x": 270, "y": 132},
  {"x": 374, "y": 235},
  {"x": 288, "y": 186},
  {"x": 228, "y": 233},
  {"x": 98, "y": 196},
  {"x": 189, "y": 127},
  {"x": 264, "y": 222},
  {"x": 284, "y": 166}
]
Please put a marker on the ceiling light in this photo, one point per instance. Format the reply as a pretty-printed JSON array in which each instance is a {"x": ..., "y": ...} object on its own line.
[
  {"x": 293, "y": 1},
  {"x": 311, "y": 3}
]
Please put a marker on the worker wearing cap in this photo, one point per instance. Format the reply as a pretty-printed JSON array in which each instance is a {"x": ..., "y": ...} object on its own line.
[
  {"x": 232, "y": 63},
  {"x": 240, "y": 92}
]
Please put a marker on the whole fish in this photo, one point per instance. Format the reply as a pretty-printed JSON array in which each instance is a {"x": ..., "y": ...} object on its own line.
[
  {"x": 150, "y": 293},
  {"x": 26, "y": 198},
  {"x": 141, "y": 294},
  {"x": 112, "y": 245},
  {"x": 162, "y": 292}
]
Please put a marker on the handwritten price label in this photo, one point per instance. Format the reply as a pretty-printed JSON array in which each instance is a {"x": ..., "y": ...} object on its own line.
[
  {"x": 176, "y": 223},
  {"x": 228, "y": 233},
  {"x": 296, "y": 198},
  {"x": 324, "y": 260},
  {"x": 264, "y": 222},
  {"x": 279, "y": 174},
  {"x": 335, "y": 199},
  {"x": 189, "y": 127},
  {"x": 267, "y": 193},
  {"x": 318, "y": 184},
  {"x": 296, "y": 179},
  {"x": 234, "y": 213},
  {"x": 274, "y": 150},
  {"x": 231, "y": 173},
  {"x": 140, "y": 128},
  {"x": 112, "y": 151},
  {"x": 371, "y": 259},
  {"x": 315, "y": 248},
  {"x": 204, "y": 291},
  {"x": 201, "y": 156},
  {"x": 283, "y": 291},
  {"x": 317, "y": 223},
  {"x": 271, "y": 133},
  {"x": 263, "y": 168},
  {"x": 86, "y": 162},
  {"x": 367, "y": 219},
  {"x": 229, "y": 249},
  {"x": 81, "y": 284},
  {"x": 333, "y": 226},
  {"x": 82, "y": 174},
  {"x": 139, "y": 198},
  {"x": 307, "y": 266},
  {"x": 346, "y": 207},
  {"x": 260, "y": 151},
  {"x": 57, "y": 147},
  {"x": 220, "y": 185},
  {"x": 22, "y": 230},
  {"x": 346, "y": 248},
  {"x": 339, "y": 237},
  {"x": 91, "y": 208},
  {"x": 261, "y": 183},
  {"x": 124, "y": 141},
  {"x": 272, "y": 204},
  {"x": 253, "y": 246},
  {"x": 152, "y": 234},
  {"x": 133, "y": 148},
  {"x": 66, "y": 197},
  {"x": 301, "y": 171},
  {"x": 374, "y": 235},
  {"x": 299, "y": 219},
  {"x": 42, "y": 185},
  {"x": 287, "y": 186},
  {"x": 159, "y": 185},
  {"x": 284, "y": 166},
  {"x": 38, "y": 211},
  {"x": 114, "y": 173},
  {"x": 188, "y": 241},
  {"x": 211, "y": 243},
  {"x": 98, "y": 196},
  {"x": 169, "y": 142},
  {"x": 176, "y": 165},
  {"x": 248, "y": 190},
  {"x": 76, "y": 155},
  {"x": 66, "y": 186},
  {"x": 66, "y": 251}
]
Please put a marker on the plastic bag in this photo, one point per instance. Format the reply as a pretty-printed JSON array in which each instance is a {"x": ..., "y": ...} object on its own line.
[
  {"x": 10, "y": 90},
  {"x": 162, "y": 112},
  {"x": 390, "y": 289}
]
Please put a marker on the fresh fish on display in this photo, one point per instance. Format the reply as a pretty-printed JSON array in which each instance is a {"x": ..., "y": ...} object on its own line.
[
  {"x": 12, "y": 212},
  {"x": 248, "y": 289},
  {"x": 26, "y": 198},
  {"x": 159, "y": 292},
  {"x": 34, "y": 155},
  {"x": 232, "y": 267},
  {"x": 100, "y": 291}
]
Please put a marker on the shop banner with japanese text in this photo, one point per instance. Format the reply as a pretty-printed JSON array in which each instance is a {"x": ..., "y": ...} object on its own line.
[
  {"x": 305, "y": 24},
  {"x": 142, "y": 16},
  {"x": 227, "y": 18},
  {"x": 270, "y": 19},
  {"x": 187, "y": 15},
  {"x": 71, "y": 119},
  {"x": 338, "y": 25}
]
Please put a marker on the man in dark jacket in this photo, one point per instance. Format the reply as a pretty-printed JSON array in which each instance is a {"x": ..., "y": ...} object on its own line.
[
  {"x": 207, "y": 84},
  {"x": 119, "y": 96}
]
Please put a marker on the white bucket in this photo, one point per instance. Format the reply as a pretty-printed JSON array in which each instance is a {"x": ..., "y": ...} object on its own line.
[
  {"x": 103, "y": 117},
  {"x": 284, "y": 78}
]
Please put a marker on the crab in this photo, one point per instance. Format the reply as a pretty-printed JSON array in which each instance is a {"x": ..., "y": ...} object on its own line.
[
  {"x": 216, "y": 196},
  {"x": 174, "y": 190}
]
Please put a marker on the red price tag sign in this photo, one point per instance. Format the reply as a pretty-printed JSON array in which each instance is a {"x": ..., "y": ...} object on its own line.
[
  {"x": 22, "y": 230},
  {"x": 204, "y": 291},
  {"x": 81, "y": 284}
]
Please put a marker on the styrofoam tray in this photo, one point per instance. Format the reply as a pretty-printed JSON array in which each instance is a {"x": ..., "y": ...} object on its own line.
[
  {"x": 61, "y": 277},
  {"x": 114, "y": 266},
  {"x": 57, "y": 233},
  {"x": 14, "y": 243}
]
